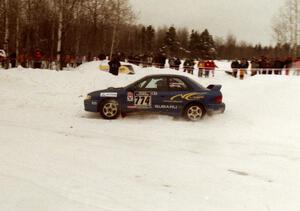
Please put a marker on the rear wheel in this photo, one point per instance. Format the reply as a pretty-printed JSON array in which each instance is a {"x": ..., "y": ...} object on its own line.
[
  {"x": 110, "y": 109},
  {"x": 194, "y": 112}
]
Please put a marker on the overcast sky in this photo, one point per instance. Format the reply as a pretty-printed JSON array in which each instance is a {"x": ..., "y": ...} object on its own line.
[{"x": 248, "y": 20}]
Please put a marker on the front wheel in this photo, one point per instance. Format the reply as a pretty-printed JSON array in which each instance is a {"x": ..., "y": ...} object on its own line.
[
  {"x": 110, "y": 109},
  {"x": 194, "y": 112}
]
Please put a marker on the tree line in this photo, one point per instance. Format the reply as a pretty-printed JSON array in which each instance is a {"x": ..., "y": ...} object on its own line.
[{"x": 93, "y": 27}]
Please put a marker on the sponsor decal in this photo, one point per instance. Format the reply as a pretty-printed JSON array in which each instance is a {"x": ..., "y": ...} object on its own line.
[
  {"x": 130, "y": 96},
  {"x": 166, "y": 107},
  {"x": 173, "y": 101},
  {"x": 189, "y": 96},
  {"x": 109, "y": 94}
]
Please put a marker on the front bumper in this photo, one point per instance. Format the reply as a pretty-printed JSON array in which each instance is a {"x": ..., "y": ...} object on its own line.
[
  {"x": 91, "y": 105},
  {"x": 215, "y": 108}
]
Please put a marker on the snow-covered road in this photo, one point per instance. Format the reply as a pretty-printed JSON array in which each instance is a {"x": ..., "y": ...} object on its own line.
[{"x": 55, "y": 156}]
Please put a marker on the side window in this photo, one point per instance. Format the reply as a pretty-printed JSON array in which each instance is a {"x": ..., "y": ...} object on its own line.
[
  {"x": 153, "y": 84},
  {"x": 177, "y": 84},
  {"x": 159, "y": 84}
]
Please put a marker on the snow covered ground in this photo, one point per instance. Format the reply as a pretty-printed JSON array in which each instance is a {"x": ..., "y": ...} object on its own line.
[{"x": 56, "y": 156}]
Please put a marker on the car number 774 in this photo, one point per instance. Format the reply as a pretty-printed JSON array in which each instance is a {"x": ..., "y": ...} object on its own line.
[{"x": 142, "y": 100}]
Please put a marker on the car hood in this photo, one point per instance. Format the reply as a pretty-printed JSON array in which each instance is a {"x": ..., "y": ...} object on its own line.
[{"x": 108, "y": 90}]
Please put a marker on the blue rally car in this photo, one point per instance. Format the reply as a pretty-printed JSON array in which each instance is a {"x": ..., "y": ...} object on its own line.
[{"x": 175, "y": 95}]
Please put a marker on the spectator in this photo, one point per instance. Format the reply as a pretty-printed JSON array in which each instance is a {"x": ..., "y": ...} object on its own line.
[
  {"x": 72, "y": 61},
  {"x": 296, "y": 66},
  {"x": 288, "y": 64},
  {"x": 22, "y": 59},
  {"x": 278, "y": 66},
  {"x": 66, "y": 60},
  {"x": 2, "y": 58},
  {"x": 243, "y": 68},
  {"x": 13, "y": 59},
  {"x": 270, "y": 66},
  {"x": 37, "y": 58},
  {"x": 235, "y": 65},
  {"x": 212, "y": 66},
  {"x": 177, "y": 63},
  {"x": 254, "y": 66},
  {"x": 162, "y": 60},
  {"x": 200, "y": 68},
  {"x": 78, "y": 60},
  {"x": 188, "y": 66},
  {"x": 263, "y": 65},
  {"x": 149, "y": 60},
  {"x": 137, "y": 60},
  {"x": 114, "y": 65},
  {"x": 172, "y": 62},
  {"x": 207, "y": 67}
]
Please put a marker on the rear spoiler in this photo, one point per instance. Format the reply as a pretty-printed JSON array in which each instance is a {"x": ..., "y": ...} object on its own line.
[{"x": 214, "y": 87}]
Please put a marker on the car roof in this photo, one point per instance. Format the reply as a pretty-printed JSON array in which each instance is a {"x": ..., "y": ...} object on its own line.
[
  {"x": 185, "y": 78},
  {"x": 191, "y": 82},
  {"x": 165, "y": 75}
]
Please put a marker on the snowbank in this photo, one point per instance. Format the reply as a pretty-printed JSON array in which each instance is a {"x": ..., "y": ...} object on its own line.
[{"x": 55, "y": 156}]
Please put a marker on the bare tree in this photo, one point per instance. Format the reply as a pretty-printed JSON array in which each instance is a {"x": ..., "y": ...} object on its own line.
[
  {"x": 122, "y": 13},
  {"x": 65, "y": 9},
  {"x": 6, "y": 33},
  {"x": 286, "y": 24},
  {"x": 97, "y": 16}
]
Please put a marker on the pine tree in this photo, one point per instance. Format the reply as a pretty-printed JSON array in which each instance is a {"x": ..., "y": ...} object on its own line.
[
  {"x": 183, "y": 39},
  {"x": 195, "y": 45},
  {"x": 170, "y": 42},
  {"x": 143, "y": 39},
  {"x": 150, "y": 35},
  {"x": 207, "y": 45}
]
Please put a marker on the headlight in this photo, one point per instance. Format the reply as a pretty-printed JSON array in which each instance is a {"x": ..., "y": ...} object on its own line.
[{"x": 88, "y": 97}]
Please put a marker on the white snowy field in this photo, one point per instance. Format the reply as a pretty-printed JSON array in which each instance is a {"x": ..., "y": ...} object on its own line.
[{"x": 56, "y": 156}]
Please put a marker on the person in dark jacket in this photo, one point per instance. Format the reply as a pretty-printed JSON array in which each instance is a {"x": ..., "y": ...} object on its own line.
[
  {"x": 235, "y": 65},
  {"x": 188, "y": 66},
  {"x": 243, "y": 68},
  {"x": 263, "y": 64},
  {"x": 37, "y": 56},
  {"x": 254, "y": 66},
  {"x": 162, "y": 60},
  {"x": 13, "y": 59},
  {"x": 177, "y": 63},
  {"x": 278, "y": 66},
  {"x": 114, "y": 65},
  {"x": 172, "y": 62}
]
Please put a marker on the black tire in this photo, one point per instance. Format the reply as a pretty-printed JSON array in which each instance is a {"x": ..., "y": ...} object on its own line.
[
  {"x": 194, "y": 112},
  {"x": 110, "y": 109}
]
